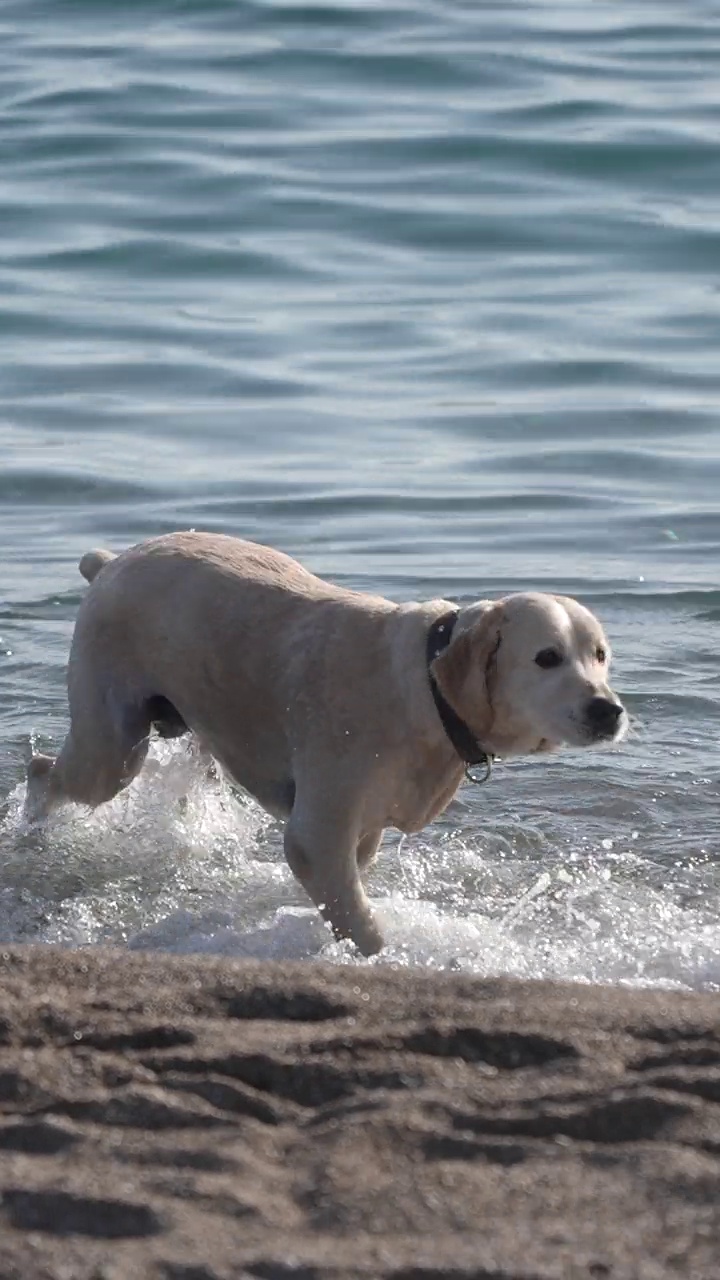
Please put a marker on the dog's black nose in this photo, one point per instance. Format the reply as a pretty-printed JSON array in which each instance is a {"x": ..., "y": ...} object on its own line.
[{"x": 603, "y": 715}]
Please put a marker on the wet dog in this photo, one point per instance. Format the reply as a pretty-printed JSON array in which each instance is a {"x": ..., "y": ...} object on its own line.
[{"x": 341, "y": 712}]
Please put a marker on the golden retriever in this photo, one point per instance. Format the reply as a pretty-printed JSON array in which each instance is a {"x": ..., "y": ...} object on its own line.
[{"x": 343, "y": 713}]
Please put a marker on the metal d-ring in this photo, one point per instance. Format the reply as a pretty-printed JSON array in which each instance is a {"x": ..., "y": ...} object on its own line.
[{"x": 478, "y": 779}]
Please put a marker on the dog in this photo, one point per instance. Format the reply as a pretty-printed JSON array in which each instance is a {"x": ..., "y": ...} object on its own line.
[{"x": 340, "y": 712}]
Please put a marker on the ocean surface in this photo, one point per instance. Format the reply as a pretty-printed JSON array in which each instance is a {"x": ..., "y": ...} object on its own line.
[{"x": 426, "y": 293}]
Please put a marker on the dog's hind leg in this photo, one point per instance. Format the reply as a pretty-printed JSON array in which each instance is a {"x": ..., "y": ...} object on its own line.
[{"x": 102, "y": 753}]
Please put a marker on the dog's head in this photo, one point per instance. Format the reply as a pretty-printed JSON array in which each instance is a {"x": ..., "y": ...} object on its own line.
[{"x": 530, "y": 673}]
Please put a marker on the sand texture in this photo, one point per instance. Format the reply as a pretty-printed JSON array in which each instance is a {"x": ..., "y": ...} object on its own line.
[{"x": 194, "y": 1119}]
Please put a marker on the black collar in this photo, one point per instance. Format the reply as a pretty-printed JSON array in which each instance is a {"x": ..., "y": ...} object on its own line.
[{"x": 461, "y": 736}]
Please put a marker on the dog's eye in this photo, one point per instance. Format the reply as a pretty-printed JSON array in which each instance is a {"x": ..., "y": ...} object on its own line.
[
  {"x": 601, "y": 654},
  {"x": 548, "y": 658}
]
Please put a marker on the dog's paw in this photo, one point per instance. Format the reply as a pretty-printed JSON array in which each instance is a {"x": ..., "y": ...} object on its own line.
[{"x": 368, "y": 938}]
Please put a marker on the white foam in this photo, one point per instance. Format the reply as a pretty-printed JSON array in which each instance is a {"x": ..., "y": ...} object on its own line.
[{"x": 181, "y": 863}]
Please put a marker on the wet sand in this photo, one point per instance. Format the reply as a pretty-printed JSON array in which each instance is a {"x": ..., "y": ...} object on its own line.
[{"x": 199, "y": 1119}]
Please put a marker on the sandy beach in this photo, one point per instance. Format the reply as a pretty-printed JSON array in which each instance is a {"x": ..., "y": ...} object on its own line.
[{"x": 199, "y": 1119}]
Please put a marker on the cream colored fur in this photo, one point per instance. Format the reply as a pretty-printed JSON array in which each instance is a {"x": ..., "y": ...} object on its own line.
[{"x": 314, "y": 699}]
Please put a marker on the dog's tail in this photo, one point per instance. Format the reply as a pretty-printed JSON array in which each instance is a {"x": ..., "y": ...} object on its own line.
[{"x": 92, "y": 562}]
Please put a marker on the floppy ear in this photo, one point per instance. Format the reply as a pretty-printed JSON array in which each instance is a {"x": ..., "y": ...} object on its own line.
[{"x": 463, "y": 671}]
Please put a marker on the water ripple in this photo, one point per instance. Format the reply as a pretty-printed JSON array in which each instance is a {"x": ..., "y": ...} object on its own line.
[{"x": 425, "y": 293}]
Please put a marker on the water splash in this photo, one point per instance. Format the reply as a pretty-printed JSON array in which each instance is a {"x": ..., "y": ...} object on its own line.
[{"x": 180, "y": 862}]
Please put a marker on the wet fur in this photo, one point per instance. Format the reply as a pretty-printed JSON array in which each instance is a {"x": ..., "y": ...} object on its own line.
[{"x": 314, "y": 699}]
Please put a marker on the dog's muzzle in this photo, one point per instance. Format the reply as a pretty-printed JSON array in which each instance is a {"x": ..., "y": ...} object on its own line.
[{"x": 603, "y": 716}]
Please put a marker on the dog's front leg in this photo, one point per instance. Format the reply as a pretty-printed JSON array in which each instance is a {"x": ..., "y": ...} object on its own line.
[
  {"x": 322, "y": 854},
  {"x": 367, "y": 848}
]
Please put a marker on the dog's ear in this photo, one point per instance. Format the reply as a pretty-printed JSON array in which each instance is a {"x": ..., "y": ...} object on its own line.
[{"x": 464, "y": 671}]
